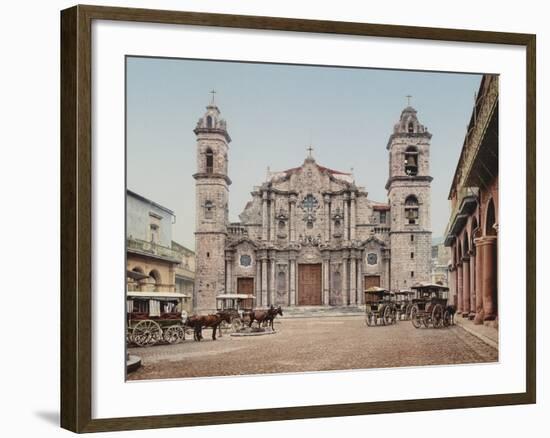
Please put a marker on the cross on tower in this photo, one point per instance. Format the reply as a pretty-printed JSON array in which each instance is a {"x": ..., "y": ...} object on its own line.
[
  {"x": 213, "y": 92},
  {"x": 408, "y": 96},
  {"x": 310, "y": 150}
]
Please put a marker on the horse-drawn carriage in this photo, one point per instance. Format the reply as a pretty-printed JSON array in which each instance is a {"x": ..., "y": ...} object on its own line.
[
  {"x": 153, "y": 317},
  {"x": 404, "y": 304},
  {"x": 238, "y": 306},
  {"x": 380, "y": 306},
  {"x": 430, "y": 306}
]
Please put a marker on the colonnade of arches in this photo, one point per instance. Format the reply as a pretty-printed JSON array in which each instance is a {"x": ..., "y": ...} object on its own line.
[{"x": 474, "y": 266}]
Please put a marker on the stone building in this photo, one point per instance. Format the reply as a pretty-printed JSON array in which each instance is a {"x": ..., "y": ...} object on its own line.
[
  {"x": 184, "y": 270},
  {"x": 154, "y": 262},
  {"x": 472, "y": 231},
  {"x": 310, "y": 236},
  {"x": 149, "y": 245},
  {"x": 441, "y": 256}
]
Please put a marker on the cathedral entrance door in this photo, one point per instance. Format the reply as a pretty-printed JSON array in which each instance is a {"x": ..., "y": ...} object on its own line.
[
  {"x": 309, "y": 285},
  {"x": 246, "y": 286},
  {"x": 371, "y": 281}
]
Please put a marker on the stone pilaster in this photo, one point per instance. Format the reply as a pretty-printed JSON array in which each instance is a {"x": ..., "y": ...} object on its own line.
[
  {"x": 345, "y": 278},
  {"x": 353, "y": 280},
  {"x": 265, "y": 218},
  {"x": 292, "y": 260},
  {"x": 360, "y": 297},
  {"x": 346, "y": 216},
  {"x": 292, "y": 217},
  {"x": 228, "y": 273},
  {"x": 352, "y": 216},
  {"x": 258, "y": 282},
  {"x": 273, "y": 226},
  {"x": 272, "y": 282},
  {"x": 326, "y": 277},
  {"x": 264, "y": 281},
  {"x": 327, "y": 217}
]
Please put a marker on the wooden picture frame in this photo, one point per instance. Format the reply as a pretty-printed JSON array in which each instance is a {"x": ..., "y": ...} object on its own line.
[{"x": 76, "y": 217}]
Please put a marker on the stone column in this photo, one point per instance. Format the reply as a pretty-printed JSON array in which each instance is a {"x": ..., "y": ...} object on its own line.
[
  {"x": 465, "y": 286},
  {"x": 265, "y": 219},
  {"x": 459, "y": 287},
  {"x": 228, "y": 273},
  {"x": 292, "y": 279},
  {"x": 346, "y": 217},
  {"x": 487, "y": 246},
  {"x": 292, "y": 217},
  {"x": 345, "y": 283},
  {"x": 264, "y": 281},
  {"x": 327, "y": 217},
  {"x": 353, "y": 281},
  {"x": 352, "y": 217},
  {"x": 272, "y": 282},
  {"x": 478, "y": 319},
  {"x": 360, "y": 294},
  {"x": 473, "y": 290},
  {"x": 326, "y": 279},
  {"x": 258, "y": 282},
  {"x": 273, "y": 226}
]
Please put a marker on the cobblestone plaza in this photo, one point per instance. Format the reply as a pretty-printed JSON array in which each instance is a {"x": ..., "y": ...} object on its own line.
[{"x": 314, "y": 344}]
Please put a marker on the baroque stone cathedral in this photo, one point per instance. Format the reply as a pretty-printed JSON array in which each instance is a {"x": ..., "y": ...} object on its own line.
[{"x": 309, "y": 236}]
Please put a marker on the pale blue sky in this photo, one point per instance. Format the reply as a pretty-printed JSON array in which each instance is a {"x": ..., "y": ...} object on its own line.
[{"x": 273, "y": 112}]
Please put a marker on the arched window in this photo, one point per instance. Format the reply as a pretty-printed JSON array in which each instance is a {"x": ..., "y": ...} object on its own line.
[
  {"x": 208, "y": 210},
  {"x": 411, "y": 209},
  {"x": 209, "y": 122},
  {"x": 155, "y": 276},
  {"x": 209, "y": 161},
  {"x": 490, "y": 219},
  {"x": 410, "y": 128},
  {"x": 411, "y": 161}
]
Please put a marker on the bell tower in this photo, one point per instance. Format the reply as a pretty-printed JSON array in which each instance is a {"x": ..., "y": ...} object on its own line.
[
  {"x": 211, "y": 203},
  {"x": 409, "y": 193}
]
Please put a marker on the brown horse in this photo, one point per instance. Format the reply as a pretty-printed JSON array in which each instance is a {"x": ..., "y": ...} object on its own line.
[
  {"x": 272, "y": 314},
  {"x": 198, "y": 322},
  {"x": 264, "y": 316}
]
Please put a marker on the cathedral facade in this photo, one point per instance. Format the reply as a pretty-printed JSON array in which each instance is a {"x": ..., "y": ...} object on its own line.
[{"x": 310, "y": 236}]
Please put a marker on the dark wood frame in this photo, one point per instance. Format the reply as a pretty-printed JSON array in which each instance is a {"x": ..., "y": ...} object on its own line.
[{"x": 76, "y": 239}]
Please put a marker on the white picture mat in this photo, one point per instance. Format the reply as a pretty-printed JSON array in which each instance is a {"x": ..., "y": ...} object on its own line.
[{"x": 113, "y": 397}]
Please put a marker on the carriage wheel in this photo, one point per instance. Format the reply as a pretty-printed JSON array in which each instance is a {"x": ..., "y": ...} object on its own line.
[
  {"x": 146, "y": 332},
  {"x": 236, "y": 324},
  {"x": 388, "y": 318},
  {"x": 446, "y": 318},
  {"x": 174, "y": 334},
  {"x": 408, "y": 310},
  {"x": 437, "y": 316},
  {"x": 416, "y": 319}
]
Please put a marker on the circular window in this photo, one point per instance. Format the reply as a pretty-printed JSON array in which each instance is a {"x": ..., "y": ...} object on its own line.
[
  {"x": 372, "y": 259},
  {"x": 246, "y": 260}
]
